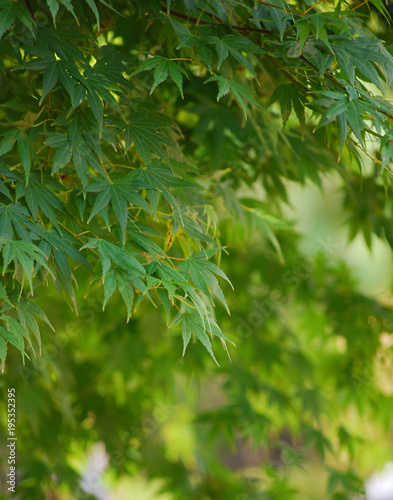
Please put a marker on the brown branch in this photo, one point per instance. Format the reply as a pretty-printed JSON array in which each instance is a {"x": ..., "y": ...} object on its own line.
[
  {"x": 326, "y": 74},
  {"x": 197, "y": 21},
  {"x": 268, "y": 4},
  {"x": 30, "y": 9},
  {"x": 288, "y": 75},
  {"x": 213, "y": 16},
  {"x": 369, "y": 131}
]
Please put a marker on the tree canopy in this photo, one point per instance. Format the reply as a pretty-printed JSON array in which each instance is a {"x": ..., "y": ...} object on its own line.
[{"x": 149, "y": 152}]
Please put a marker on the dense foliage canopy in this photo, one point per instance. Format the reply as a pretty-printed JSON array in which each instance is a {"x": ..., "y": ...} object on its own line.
[{"x": 148, "y": 156}]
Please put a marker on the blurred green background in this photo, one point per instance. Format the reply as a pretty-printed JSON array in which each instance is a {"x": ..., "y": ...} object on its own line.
[
  {"x": 301, "y": 408},
  {"x": 304, "y": 404}
]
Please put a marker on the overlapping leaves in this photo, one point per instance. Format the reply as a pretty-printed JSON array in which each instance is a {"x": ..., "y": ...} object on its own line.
[{"x": 68, "y": 198}]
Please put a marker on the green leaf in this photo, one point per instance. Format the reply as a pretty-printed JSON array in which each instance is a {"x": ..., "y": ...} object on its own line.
[
  {"x": 187, "y": 39},
  {"x": 25, "y": 17},
  {"x": 203, "y": 275},
  {"x": 96, "y": 106},
  {"x": 186, "y": 333},
  {"x": 64, "y": 75},
  {"x": 68, "y": 5},
  {"x": 98, "y": 83},
  {"x": 364, "y": 55},
  {"x": 55, "y": 140},
  {"x": 193, "y": 324},
  {"x": 241, "y": 93},
  {"x": 54, "y": 8},
  {"x": 119, "y": 192},
  {"x": 20, "y": 218},
  {"x": 7, "y": 16},
  {"x": 3, "y": 352},
  {"x": 3, "y": 295},
  {"x": 290, "y": 98},
  {"x": 8, "y": 142},
  {"x": 235, "y": 45},
  {"x": 28, "y": 321},
  {"x": 62, "y": 158},
  {"x": 39, "y": 196},
  {"x": 163, "y": 295},
  {"x": 190, "y": 226},
  {"x": 280, "y": 17},
  {"x": 23, "y": 148},
  {"x": 37, "y": 311},
  {"x": 101, "y": 201},
  {"x": 25, "y": 253},
  {"x": 66, "y": 244},
  {"x": 119, "y": 205},
  {"x": 93, "y": 7},
  {"x": 337, "y": 108},
  {"x": 127, "y": 293},
  {"x": 80, "y": 163},
  {"x": 303, "y": 30},
  {"x": 162, "y": 69},
  {"x": 355, "y": 121},
  {"x": 14, "y": 338},
  {"x": 18, "y": 330},
  {"x": 110, "y": 253},
  {"x": 109, "y": 286},
  {"x": 74, "y": 133},
  {"x": 139, "y": 234},
  {"x": 161, "y": 179},
  {"x": 150, "y": 133},
  {"x": 4, "y": 189},
  {"x": 264, "y": 222},
  {"x": 343, "y": 132}
]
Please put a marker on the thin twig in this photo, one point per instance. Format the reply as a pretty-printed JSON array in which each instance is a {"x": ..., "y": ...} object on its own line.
[
  {"x": 268, "y": 4},
  {"x": 197, "y": 21},
  {"x": 288, "y": 75},
  {"x": 213, "y": 16},
  {"x": 327, "y": 75},
  {"x": 30, "y": 9},
  {"x": 369, "y": 131}
]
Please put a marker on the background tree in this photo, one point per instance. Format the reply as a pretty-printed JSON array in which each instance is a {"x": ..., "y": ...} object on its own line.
[{"x": 149, "y": 155}]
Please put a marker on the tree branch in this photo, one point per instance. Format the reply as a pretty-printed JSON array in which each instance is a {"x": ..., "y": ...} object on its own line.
[
  {"x": 268, "y": 4},
  {"x": 30, "y": 9},
  {"x": 326, "y": 74},
  {"x": 236, "y": 27},
  {"x": 334, "y": 80}
]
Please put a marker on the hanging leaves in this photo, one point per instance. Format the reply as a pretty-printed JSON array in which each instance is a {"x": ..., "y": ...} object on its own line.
[
  {"x": 102, "y": 170},
  {"x": 163, "y": 69}
]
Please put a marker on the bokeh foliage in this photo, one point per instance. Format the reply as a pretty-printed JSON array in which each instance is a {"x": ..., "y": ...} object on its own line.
[{"x": 147, "y": 159}]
